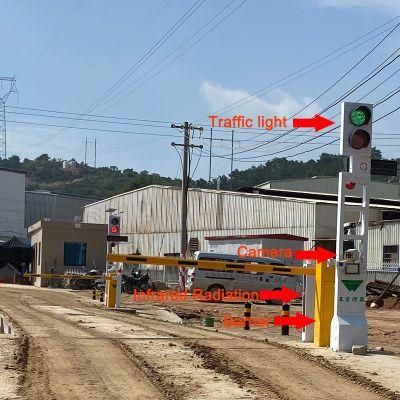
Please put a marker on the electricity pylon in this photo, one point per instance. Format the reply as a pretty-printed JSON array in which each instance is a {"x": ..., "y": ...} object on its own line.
[{"x": 11, "y": 88}]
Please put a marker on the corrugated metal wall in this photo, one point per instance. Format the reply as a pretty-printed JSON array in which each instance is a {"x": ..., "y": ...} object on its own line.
[
  {"x": 12, "y": 204},
  {"x": 386, "y": 234},
  {"x": 151, "y": 217},
  {"x": 40, "y": 205}
]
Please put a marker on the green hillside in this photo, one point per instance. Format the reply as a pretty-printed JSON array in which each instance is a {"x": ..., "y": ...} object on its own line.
[{"x": 48, "y": 174}]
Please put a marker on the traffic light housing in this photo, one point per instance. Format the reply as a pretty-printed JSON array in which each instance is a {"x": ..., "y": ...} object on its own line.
[
  {"x": 356, "y": 130},
  {"x": 114, "y": 225}
]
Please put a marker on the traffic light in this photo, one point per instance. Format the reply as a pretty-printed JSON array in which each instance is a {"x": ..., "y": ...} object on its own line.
[
  {"x": 356, "y": 133},
  {"x": 114, "y": 225}
]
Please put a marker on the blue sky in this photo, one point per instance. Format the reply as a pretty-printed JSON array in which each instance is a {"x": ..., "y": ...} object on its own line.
[{"x": 67, "y": 54}]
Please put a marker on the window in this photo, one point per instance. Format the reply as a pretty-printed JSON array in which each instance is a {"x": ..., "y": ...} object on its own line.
[
  {"x": 391, "y": 254},
  {"x": 75, "y": 254}
]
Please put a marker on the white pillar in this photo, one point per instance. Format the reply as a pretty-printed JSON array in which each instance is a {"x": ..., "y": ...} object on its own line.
[
  {"x": 349, "y": 324},
  {"x": 118, "y": 290},
  {"x": 307, "y": 333}
]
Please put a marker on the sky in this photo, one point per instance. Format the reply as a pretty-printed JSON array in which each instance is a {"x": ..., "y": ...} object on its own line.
[{"x": 170, "y": 61}]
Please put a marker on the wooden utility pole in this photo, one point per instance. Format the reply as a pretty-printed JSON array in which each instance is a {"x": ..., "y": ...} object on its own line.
[
  {"x": 185, "y": 186},
  {"x": 211, "y": 139}
]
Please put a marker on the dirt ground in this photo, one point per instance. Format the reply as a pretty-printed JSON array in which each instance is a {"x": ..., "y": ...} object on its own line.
[
  {"x": 76, "y": 350},
  {"x": 384, "y": 324}
]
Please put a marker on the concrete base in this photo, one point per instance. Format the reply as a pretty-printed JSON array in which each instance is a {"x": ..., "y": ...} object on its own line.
[
  {"x": 5, "y": 327},
  {"x": 347, "y": 331},
  {"x": 359, "y": 350}
]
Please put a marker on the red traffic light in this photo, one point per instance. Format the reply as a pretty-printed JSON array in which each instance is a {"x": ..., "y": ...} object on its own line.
[
  {"x": 114, "y": 229},
  {"x": 350, "y": 185},
  {"x": 359, "y": 139}
]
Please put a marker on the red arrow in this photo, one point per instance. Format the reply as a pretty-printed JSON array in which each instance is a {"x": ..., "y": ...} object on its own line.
[
  {"x": 299, "y": 321},
  {"x": 285, "y": 294},
  {"x": 320, "y": 254},
  {"x": 318, "y": 122}
]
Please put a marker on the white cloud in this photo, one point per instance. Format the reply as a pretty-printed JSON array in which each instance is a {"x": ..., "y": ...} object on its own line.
[
  {"x": 386, "y": 6},
  {"x": 279, "y": 102}
]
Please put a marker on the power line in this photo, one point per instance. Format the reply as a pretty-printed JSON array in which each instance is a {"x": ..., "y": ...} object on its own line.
[
  {"x": 149, "y": 53},
  {"x": 222, "y": 130},
  {"x": 360, "y": 83},
  {"x": 95, "y": 129},
  {"x": 141, "y": 61},
  {"x": 336, "y": 140},
  {"x": 89, "y": 115},
  {"x": 257, "y": 94},
  {"x": 138, "y": 29},
  {"x": 176, "y": 58},
  {"x": 245, "y": 160}
]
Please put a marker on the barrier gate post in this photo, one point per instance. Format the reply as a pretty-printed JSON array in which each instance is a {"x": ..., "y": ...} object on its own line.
[
  {"x": 111, "y": 290},
  {"x": 324, "y": 302}
]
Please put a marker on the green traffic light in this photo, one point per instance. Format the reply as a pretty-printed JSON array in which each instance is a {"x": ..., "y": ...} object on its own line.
[{"x": 360, "y": 116}]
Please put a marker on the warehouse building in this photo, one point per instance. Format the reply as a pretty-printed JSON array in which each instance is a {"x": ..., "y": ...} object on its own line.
[
  {"x": 151, "y": 216},
  {"x": 43, "y": 204},
  {"x": 12, "y": 204}
]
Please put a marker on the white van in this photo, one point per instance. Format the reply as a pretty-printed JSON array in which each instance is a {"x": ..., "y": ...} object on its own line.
[{"x": 221, "y": 280}]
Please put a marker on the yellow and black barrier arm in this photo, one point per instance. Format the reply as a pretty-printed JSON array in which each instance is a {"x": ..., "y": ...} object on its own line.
[{"x": 206, "y": 264}]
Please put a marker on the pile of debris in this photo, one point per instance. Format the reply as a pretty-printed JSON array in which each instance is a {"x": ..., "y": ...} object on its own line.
[{"x": 378, "y": 291}]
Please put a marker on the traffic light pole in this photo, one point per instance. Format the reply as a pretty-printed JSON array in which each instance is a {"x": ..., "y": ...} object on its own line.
[{"x": 349, "y": 324}]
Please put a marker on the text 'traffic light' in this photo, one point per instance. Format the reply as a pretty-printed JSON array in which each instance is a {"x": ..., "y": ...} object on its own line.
[{"x": 114, "y": 224}]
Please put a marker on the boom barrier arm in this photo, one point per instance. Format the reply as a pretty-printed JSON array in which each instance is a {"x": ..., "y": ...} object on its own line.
[{"x": 206, "y": 264}]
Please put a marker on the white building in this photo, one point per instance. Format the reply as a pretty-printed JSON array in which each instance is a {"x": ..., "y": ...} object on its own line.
[{"x": 12, "y": 204}]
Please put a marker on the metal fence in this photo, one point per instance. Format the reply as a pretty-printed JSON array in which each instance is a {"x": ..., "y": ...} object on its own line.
[{"x": 383, "y": 272}]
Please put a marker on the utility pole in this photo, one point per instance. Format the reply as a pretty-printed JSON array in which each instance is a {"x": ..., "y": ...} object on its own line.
[
  {"x": 185, "y": 185},
  {"x": 3, "y": 126},
  {"x": 95, "y": 152},
  {"x": 211, "y": 138},
  {"x": 85, "y": 150},
  {"x": 232, "y": 155}
]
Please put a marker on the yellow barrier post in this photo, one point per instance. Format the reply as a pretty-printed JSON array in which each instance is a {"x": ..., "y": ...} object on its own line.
[
  {"x": 111, "y": 290},
  {"x": 324, "y": 299},
  {"x": 285, "y": 312}
]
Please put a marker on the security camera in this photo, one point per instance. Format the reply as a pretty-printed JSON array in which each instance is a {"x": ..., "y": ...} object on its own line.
[
  {"x": 352, "y": 255},
  {"x": 349, "y": 228}
]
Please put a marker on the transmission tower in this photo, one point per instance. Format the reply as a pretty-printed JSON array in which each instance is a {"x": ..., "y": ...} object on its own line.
[{"x": 11, "y": 88}]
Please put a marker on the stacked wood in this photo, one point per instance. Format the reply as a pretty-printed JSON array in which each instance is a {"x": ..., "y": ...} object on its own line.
[{"x": 377, "y": 287}]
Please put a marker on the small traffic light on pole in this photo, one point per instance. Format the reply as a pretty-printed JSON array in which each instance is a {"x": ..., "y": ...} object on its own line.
[{"x": 114, "y": 225}]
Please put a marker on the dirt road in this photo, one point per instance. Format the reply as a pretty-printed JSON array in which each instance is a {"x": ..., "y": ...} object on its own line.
[{"x": 77, "y": 351}]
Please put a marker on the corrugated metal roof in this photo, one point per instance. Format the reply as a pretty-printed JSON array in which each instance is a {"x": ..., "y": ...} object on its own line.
[
  {"x": 314, "y": 197},
  {"x": 283, "y": 236}
]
